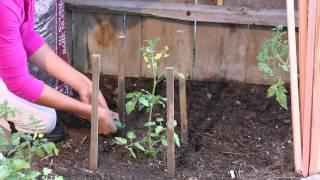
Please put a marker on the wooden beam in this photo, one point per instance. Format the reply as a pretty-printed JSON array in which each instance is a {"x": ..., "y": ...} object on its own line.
[
  {"x": 183, "y": 109},
  {"x": 315, "y": 133},
  {"x": 309, "y": 87},
  {"x": 170, "y": 120},
  {"x": 303, "y": 19},
  {"x": 185, "y": 12},
  {"x": 94, "y": 112},
  {"x": 295, "y": 109},
  {"x": 121, "y": 71}
]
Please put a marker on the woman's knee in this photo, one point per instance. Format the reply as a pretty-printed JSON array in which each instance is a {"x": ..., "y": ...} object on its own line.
[{"x": 50, "y": 121}]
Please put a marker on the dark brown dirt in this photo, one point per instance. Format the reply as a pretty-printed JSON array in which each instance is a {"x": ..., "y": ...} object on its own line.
[{"x": 231, "y": 127}]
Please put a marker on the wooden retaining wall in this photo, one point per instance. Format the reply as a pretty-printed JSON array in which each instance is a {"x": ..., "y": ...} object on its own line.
[{"x": 202, "y": 50}]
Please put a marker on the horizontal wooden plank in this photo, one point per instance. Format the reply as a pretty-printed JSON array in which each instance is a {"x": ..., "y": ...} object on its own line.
[{"x": 185, "y": 11}]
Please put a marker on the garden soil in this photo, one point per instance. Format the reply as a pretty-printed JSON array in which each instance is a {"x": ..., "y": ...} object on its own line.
[{"x": 232, "y": 128}]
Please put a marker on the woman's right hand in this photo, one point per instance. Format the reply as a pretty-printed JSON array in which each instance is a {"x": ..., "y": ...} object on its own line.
[{"x": 106, "y": 124}]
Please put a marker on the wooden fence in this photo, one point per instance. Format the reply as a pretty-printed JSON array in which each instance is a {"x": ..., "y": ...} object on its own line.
[{"x": 203, "y": 50}]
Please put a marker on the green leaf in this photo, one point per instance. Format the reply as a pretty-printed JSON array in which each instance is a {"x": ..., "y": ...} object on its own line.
[
  {"x": 58, "y": 178},
  {"x": 121, "y": 141},
  {"x": 49, "y": 147},
  {"x": 46, "y": 171},
  {"x": 130, "y": 105},
  {"x": 285, "y": 67},
  {"x": 272, "y": 90},
  {"x": 39, "y": 152},
  {"x": 176, "y": 139},
  {"x": 15, "y": 139},
  {"x": 32, "y": 175},
  {"x": 139, "y": 146},
  {"x": 159, "y": 129},
  {"x": 131, "y": 135},
  {"x": 143, "y": 101},
  {"x": 4, "y": 172},
  {"x": 152, "y": 123},
  {"x": 159, "y": 119},
  {"x": 133, "y": 154},
  {"x": 20, "y": 164},
  {"x": 164, "y": 142}
]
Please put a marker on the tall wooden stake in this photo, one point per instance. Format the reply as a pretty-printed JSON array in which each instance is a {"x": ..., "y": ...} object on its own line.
[
  {"x": 121, "y": 71},
  {"x": 303, "y": 17},
  {"x": 94, "y": 114},
  {"x": 170, "y": 120},
  {"x": 183, "y": 109},
  {"x": 296, "y": 126},
  {"x": 308, "y": 87},
  {"x": 315, "y": 128}
]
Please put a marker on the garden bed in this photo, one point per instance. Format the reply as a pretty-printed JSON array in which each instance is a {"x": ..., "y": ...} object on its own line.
[{"x": 231, "y": 127}]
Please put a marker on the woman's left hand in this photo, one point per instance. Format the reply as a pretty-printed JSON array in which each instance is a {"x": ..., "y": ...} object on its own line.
[{"x": 85, "y": 94}]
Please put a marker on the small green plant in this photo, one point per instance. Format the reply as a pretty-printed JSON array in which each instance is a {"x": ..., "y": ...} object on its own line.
[
  {"x": 274, "y": 52},
  {"x": 143, "y": 99},
  {"x": 17, "y": 164}
]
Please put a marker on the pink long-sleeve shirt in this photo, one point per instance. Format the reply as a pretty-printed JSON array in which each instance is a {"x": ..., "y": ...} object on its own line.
[{"x": 18, "y": 41}]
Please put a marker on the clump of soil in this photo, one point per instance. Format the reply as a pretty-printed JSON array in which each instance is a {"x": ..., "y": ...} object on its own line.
[{"x": 232, "y": 127}]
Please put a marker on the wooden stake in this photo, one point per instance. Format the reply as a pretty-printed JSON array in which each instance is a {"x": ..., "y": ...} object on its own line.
[
  {"x": 308, "y": 88},
  {"x": 183, "y": 109},
  {"x": 315, "y": 132},
  {"x": 296, "y": 126},
  {"x": 94, "y": 112},
  {"x": 121, "y": 71},
  {"x": 303, "y": 17},
  {"x": 170, "y": 120},
  {"x": 220, "y": 2}
]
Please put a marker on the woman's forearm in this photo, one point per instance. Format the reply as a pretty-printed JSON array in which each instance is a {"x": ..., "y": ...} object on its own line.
[{"x": 54, "y": 99}]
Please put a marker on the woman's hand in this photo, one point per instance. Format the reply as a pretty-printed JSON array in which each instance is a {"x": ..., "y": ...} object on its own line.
[
  {"x": 85, "y": 94},
  {"x": 106, "y": 124}
]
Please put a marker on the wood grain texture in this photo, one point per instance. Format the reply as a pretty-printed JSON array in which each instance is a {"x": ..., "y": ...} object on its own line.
[
  {"x": 94, "y": 113},
  {"x": 309, "y": 88},
  {"x": 178, "y": 36},
  {"x": 103, "y": 39},
  {"x": 315, "y": 133},
  {"x": 294, "y": 88},
  {"x": 221, "y": 52},
  {"x": 170, "y": 120},
  {"x": 303, "y": 29},
  {"x": 185, "y": 11},
  {"x": 267, "y": 4},
  {"x": 121, "y": 69},
  {"x": 183, "y": 110},
  {"x": 80, "y": 42},
  {"x": 256, "y": 36}
]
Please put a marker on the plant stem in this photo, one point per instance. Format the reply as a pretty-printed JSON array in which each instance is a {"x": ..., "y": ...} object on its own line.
[{"x": 149, "y": 140}]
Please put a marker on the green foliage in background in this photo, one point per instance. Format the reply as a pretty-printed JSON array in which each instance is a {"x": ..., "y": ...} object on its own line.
[{"x": 274, "y": 53}]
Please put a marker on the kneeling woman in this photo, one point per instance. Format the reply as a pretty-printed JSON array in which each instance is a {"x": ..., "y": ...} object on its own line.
[{"x": 18, "y": 43}]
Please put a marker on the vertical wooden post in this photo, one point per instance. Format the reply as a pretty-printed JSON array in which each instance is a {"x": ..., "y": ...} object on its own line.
[
  {"x": 170, "y": 120},
  {"x": 121, "y": 71},
  {"x": 296, "y": 123},
  {"x": 220, "y": 2},
  {"x": 183, "y": 109},
  {"x": 315, "y": 133},
  {"x": 303, "y": 9},
  {"x": 94, "y": 112},
  {"x": 307, "y": 111}
]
